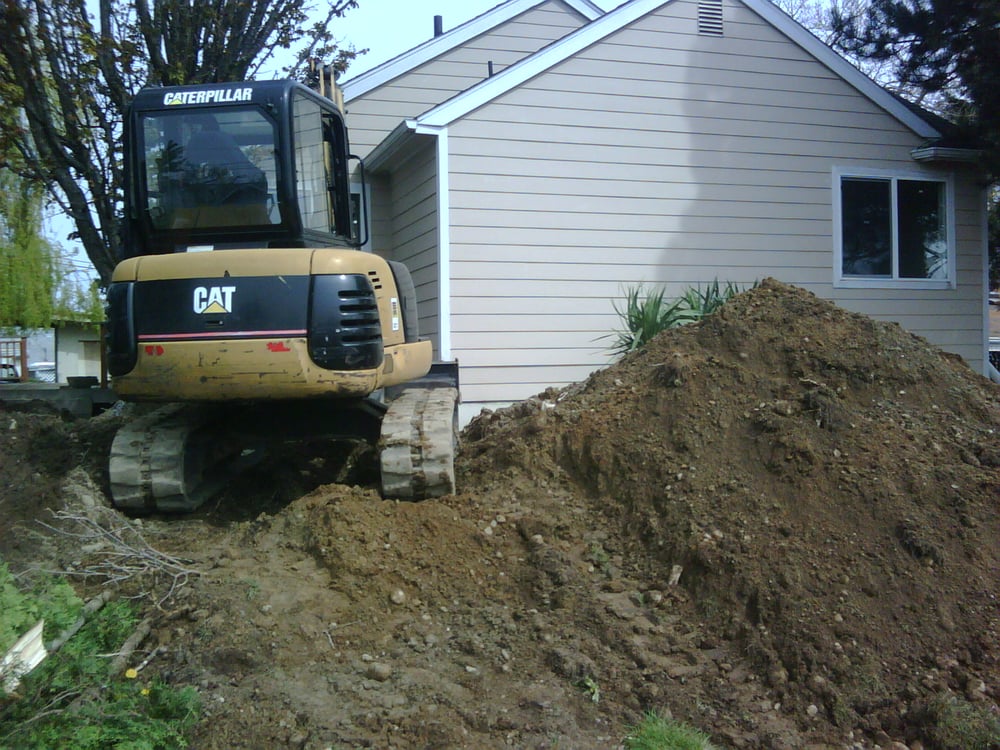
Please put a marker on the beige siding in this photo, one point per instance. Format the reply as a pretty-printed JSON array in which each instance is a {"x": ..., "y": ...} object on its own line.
[
  {"x": 407, "y": 226},
  {"x": 374, "y": 115},
  {"x": 659, "y": 156}
]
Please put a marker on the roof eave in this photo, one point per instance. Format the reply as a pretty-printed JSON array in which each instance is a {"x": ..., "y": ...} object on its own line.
[
  {"x": 384, "y": 151},
  {"x": 383, "y": 155}
]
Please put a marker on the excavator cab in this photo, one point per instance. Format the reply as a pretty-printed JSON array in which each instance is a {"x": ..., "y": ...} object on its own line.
[
  {"x": 244, "y": 302},
  {"x": 257, "y": 164}
]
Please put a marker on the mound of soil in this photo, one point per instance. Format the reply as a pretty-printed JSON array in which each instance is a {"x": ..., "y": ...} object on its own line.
[{"x": 780, "y": 525}]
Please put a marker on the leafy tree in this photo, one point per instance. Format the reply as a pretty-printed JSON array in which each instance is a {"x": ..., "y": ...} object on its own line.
[
  {"x": 817, "y": 16},
  {"x": 27, "y": 269},
  {"x": 944, "y": 49},
  {"x": 66, "y": 78}
]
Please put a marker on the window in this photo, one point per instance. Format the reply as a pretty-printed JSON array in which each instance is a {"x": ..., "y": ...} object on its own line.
[
  {"x": 213, "y": 167},
  {"x": 361, "y": 199},
  {"x": 893, "y": 230},
  {"x": 311, "y": 166}
]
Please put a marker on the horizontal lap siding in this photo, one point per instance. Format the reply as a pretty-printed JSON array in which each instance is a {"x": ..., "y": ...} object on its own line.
[
  {"x": 412, "y": 237},
  {"x": 659, "y": 156},
  {"x": 372, "y": 116}
]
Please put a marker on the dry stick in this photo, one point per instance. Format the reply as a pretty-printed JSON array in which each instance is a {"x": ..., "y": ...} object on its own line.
[
  {"x": 128, "y": 648},
  {"x": 116, "y": 666},
  {"x": 89, "y": 608}
]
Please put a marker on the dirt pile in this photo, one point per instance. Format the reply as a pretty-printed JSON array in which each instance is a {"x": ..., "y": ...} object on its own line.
[
  {"x": 779, "y": 525},
  {"x": 828, "y": 485}
]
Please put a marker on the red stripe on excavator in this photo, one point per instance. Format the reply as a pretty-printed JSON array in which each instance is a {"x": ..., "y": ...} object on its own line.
[{"x": 221, "y": 335}]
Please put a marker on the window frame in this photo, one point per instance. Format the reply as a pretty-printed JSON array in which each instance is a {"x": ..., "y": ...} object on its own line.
[
  {"x": 364, "y": 203},
  {"x": 845, "y": 281}
]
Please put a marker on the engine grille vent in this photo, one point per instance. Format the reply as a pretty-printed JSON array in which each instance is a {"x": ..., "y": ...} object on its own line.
[
  {"x": 359, "y": 317},
  {"x": 345, "y": 332}
]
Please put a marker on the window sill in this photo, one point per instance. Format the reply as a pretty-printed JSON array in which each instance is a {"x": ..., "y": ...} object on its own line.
[{"x": 870, "y": 282}]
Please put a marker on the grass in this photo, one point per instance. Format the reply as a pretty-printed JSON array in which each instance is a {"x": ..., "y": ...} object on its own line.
[
  {"x": 658, "y": 733},
  {"x": 957, "y": 724}
]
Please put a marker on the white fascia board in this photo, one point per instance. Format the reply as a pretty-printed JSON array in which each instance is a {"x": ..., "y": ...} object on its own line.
[
  {"x": 515, "y": 75},
  {"x": 436, "y": 46},
  {"x": 865, "y": 85}
]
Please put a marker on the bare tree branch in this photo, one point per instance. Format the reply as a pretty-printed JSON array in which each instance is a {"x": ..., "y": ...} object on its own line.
[{"x": 65, "y": 85}]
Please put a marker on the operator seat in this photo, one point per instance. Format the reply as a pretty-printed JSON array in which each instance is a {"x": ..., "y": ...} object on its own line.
[{"x": 223, "y": 187}]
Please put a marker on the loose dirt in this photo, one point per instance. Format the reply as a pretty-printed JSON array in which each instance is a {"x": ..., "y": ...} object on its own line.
[{"x": 779, "y": 525}]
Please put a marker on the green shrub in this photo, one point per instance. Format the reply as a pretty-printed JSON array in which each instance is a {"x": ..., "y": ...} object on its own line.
[
  {"x": 71, "y": 699},
  {"x": 703, "y": 302},
  {"x": 50, "y": 598},
  {"x": 644, "y": 316},
  {"x": 658, "y": 733}
]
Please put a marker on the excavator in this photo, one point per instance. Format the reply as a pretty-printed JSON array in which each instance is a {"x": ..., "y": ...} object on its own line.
[{"x": 247, "y": 309}]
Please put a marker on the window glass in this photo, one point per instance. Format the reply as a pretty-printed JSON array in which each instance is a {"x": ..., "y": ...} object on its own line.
[
  {"x": 209, "y": 168},
  {"x": 867, "y": 227},
  {"x": 311, "y": 166},
  {"x": 923, "y": 247},
  {"x": 893, "y": 228}
]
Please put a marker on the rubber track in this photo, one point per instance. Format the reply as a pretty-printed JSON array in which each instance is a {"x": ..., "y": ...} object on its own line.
[
  {"x": 418, "y": 444},
  {"x": 159, "y": 463}
]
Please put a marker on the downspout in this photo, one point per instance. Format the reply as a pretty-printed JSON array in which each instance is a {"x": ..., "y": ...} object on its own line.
[
  {"x": 984, "y": 232},
  {"x": 444, "y": 246}
]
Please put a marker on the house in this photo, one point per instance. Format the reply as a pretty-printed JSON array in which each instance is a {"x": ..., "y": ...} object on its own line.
[{"x": 666, "y": 142}]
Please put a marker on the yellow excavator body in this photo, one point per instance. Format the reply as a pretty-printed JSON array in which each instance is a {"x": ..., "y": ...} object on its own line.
[{"x": 214, "y": 360}]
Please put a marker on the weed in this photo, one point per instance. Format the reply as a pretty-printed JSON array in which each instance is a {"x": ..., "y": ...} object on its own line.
[
  {"x": 590, "y": 686},
  {"x": 253, "y": 588},
  {"x": 658, "y": 733},
  {"x": 598, "y": 556},
  {"x": 956, "y": 724}
]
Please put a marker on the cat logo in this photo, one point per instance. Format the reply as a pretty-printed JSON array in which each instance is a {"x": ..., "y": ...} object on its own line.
[{"x": 213, "y": 299}]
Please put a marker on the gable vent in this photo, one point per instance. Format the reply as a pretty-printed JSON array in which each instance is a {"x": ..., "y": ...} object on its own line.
[{"x": 710, "y": 17}]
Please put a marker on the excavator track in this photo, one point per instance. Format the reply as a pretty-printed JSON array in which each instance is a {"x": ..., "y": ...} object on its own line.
[
  {"x": 417, "y": 447},
  {"x": 175, "y": 458},
  {"x": 172, "y": 460}
]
